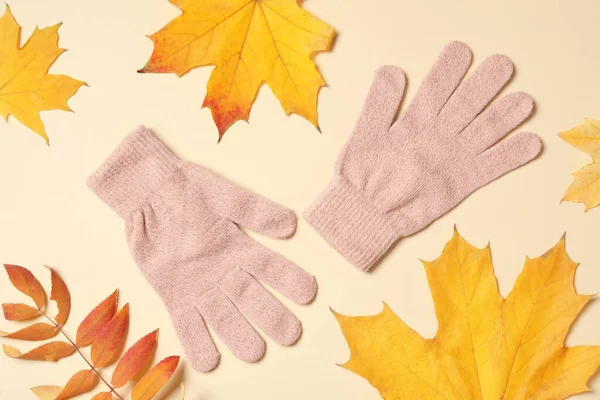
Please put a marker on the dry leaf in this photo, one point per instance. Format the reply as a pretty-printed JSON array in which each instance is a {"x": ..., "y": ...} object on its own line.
[
  {"x": 46, "y": 392},
  {"x": 95, "y": 322},
  {"x": 104, "y": 328},
  {"x": 251, "y": 42},
  {"x": 81, "y": 382},
  {"x": 39, "y": 331},
  {"x": 52, "y": 351},
  {"x": 22, "y": 278},
  {"x": 103, "y": 396},
  {"x": 486, "y": 347},
  {"x": 110, "y": 340},
  {"x": 134, "y": 359},
  {"x": 155, "y": 379},
  {"x": 26, "y": 88},
  {"x": 19, "y": 312},
  {"x": 586, "y": 184},
  {"x": 60, "y": 294}
]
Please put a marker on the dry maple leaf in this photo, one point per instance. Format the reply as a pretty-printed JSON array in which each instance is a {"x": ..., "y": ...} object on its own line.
[
  {"x": 586, "y": 183},
  {"x": 486, "y": 347},
  {"x": 250, "y": 42},
  {"x": 26, "y": 88}
]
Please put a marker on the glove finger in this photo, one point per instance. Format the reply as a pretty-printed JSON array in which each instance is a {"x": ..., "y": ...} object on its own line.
[
  {"x": 475, "y": 93},
  {"x": 383, "y": 101},
  {"x": 195, "y": 340},
  {"x": 508, "y": 155},
  {"x": 260, "y": 307},
  {"x": 239, "y": 336},
  {"x": 246, "y": 208},
  {"x": 281, "y": 274},
  {"x": 439, "y": 84},
  {"x": 496, "y": 122}
]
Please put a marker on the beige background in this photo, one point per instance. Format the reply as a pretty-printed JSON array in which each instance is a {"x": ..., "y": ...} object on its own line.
[{"x": 48, "y": 215}]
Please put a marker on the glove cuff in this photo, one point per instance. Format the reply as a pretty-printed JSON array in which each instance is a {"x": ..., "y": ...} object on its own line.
[
  {"x": 351, "y": 224},
  {"x": 133, "y": 171}
]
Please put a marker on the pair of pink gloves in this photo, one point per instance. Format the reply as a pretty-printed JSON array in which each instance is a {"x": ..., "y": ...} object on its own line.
[{"x": 392, "y": 179}]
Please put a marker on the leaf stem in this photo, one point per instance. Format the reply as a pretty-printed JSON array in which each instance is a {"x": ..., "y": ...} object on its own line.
[{"x": 112, "y": 390}]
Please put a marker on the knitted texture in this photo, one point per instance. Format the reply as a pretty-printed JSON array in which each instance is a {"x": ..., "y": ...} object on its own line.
[
  {"x": 182, "y": 229},
  {"x": 395, "y": 177}
]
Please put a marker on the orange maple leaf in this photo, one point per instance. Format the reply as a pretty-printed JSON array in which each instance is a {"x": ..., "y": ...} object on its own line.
[{"x": 250, "y": 42}]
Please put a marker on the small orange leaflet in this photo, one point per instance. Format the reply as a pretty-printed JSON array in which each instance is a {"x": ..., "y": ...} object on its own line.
[
  {"x": 96, "y": 320},
  {"x": 26, "y": 283},
  {"x": 81, "y": 382},
  {"x": 52, "y": 351},
  {"x": 37, "y": 331},
  {"x": 60, "y": 294},
  {"x": 19, "y": 312},
  {"x": 134, "y": 359},
  {"x": 110, "y": 340},
  {"x": 155, "y": 379}
]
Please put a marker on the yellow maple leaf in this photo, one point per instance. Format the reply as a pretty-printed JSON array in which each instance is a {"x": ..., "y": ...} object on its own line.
[
  {"x": 586, "y": 183},
  {"x": 250, "y": 42},
  {"x": 486, "y": 347},
  {"x": 26, "y": 88}
]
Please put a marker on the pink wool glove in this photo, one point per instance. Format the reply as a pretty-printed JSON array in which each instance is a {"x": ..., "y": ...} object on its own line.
[
  {"x": 182, "y": 228},
  {"x": 393, "y": 178}
]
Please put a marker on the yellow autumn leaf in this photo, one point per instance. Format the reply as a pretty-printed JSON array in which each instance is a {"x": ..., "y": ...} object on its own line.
[
  {"x": 26, "y": 88},
  {"x": 250, "y": 42},
  {"x": 486, "y": 347},
  {"x": 586, "y": 183}
]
